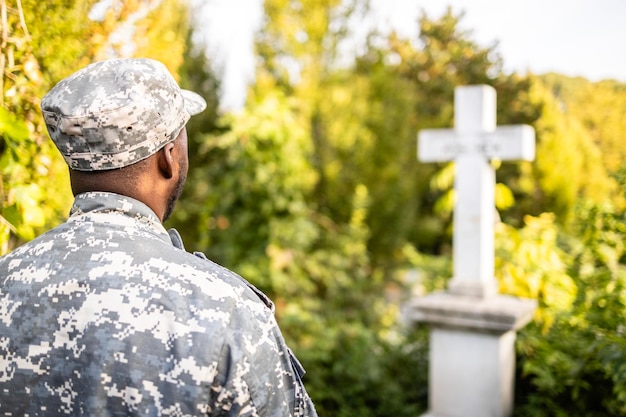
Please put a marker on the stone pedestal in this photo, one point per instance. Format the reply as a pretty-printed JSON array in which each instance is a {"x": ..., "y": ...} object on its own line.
[{"x": 472, "y": 352}]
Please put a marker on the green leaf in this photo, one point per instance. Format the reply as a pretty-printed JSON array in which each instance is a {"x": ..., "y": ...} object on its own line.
[{"x": 11, "y": 127}]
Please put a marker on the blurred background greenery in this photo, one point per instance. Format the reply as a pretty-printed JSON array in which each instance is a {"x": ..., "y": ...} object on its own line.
[{"x": 313, "y": 191}]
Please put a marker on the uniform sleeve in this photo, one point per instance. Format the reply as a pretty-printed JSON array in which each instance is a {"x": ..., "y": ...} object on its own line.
[{"x": 257, "y": 373}]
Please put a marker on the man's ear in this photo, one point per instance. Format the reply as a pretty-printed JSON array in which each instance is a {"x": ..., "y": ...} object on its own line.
[{"x": 167, "y": 161}]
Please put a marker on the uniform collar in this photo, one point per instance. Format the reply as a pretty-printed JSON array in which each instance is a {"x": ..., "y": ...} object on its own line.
[{"x": 125, "y": 208}]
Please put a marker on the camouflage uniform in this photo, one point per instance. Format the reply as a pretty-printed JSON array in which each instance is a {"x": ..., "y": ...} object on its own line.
[
  {"x": 107, "y": 314},
  {"x": 104, "y": 316}
]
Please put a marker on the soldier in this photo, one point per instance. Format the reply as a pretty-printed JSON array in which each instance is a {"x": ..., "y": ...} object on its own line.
[{"x": 107, "y": 314}]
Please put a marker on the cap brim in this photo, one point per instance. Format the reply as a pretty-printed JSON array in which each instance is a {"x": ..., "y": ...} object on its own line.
[{"x": 194, "y": 103}]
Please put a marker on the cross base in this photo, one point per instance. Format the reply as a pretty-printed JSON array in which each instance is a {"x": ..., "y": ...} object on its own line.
[
  {"x": 499, "y": 313},
  {"x": 472, "y": 352}
]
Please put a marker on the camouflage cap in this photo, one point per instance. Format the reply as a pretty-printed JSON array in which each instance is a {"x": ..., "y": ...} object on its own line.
[{"x": 114, "y": 113}]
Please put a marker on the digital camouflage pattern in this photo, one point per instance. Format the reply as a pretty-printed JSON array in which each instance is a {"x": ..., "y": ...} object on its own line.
[
  {"x": 107, "y": 315},
  {"x": 114, "y": 113}
]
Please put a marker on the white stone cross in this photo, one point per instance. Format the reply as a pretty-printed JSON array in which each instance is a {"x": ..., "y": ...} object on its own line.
[{"x": 474, "y": 141}]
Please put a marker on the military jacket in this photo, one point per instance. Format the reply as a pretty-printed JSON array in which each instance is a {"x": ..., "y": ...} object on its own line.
[{"x": 107, "y": 315}]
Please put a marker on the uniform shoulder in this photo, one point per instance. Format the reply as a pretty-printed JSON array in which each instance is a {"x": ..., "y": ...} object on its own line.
[{"x": 197, "y": 264}]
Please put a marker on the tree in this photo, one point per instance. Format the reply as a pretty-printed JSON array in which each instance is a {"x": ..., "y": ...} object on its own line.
[
  {"x": 569, "y": 163},
  {"x": 192, "y": 214},
  {"x": 29, "y": 164}
]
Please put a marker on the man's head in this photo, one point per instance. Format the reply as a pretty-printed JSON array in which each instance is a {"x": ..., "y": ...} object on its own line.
[{"x": 119, "y": 125}]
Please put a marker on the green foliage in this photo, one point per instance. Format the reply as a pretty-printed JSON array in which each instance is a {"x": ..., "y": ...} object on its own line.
[
  {"x": 571, "y": 358},
  {"x": 34, "y": 186},
  {"x": 62, "y": 38},
  {"x": 21, "y": 213},
  {"x": 530, "y": 264},
  {"x": 599, "y": 107},
  {"x": 197, "y": 74},
  {"x": 563, "y": 141},
  {"x": 253, "y": 175},
  {"x": 363, "y": 376}
]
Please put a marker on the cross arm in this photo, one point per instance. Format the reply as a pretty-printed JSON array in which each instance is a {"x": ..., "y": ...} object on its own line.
[
  {"x": 438, "y": 145},
  {"x": 507, "y": 143},
  {"x": 510, "y": 143}
]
